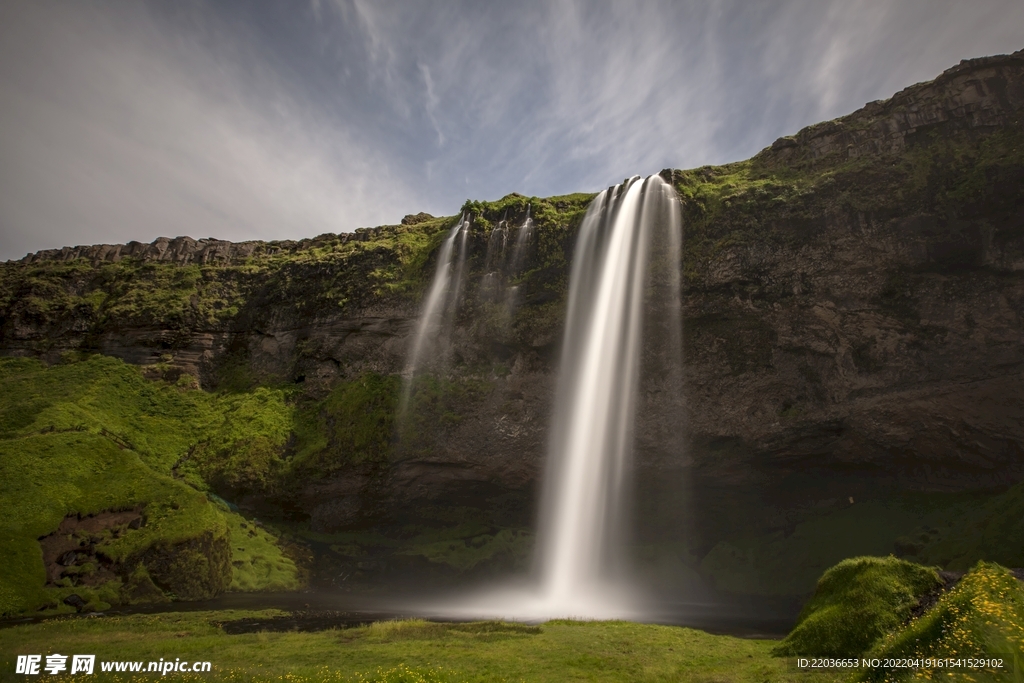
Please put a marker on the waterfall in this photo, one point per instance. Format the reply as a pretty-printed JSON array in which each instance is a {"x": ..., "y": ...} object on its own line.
[
  {"x": 627, "y": 253},
  {"x": 583, "y": 509},
  {"x": 522, "y": 243},
  {"x": 495, "y": 257},
  {"x": 438, "y": 307},
  {"x": 518, "y": 260},
  {"x": 494, "y": 261}
]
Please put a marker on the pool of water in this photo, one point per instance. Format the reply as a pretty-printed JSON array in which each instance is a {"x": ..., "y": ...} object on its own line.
[{"x": 322, "y": 610}]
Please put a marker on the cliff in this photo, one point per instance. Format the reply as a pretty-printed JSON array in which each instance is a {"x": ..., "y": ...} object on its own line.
[{"x": 852, "y": 325}]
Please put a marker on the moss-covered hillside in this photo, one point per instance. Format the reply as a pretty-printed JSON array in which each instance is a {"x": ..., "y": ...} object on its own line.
[
  {"x": 101, "y": 495},
  {"x": 914, "y": 623}
]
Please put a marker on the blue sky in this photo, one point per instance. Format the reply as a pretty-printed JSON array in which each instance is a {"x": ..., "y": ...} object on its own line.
[{"x": 276, "y": 120}]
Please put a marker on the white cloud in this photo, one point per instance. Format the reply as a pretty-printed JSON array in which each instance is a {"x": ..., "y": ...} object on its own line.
[
  {"x": 114, "y": 131},
  {"x": 120, "y": 123}
]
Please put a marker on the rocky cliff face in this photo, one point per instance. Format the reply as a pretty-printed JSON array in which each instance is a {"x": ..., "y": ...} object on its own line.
[
  {"x": 853, "y": 325},
  {"x": 975, "y": 95}
]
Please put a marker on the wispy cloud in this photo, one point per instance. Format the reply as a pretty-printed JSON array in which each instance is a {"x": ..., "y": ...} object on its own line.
[
  {"x": 113, "y": 130},
  {"x": 259, "y": 120}
]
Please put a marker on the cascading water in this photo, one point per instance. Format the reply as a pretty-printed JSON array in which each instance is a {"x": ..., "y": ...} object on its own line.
[
  {"x": 495, "y": 257},
  {"x": 441, "y": 298},
  {"x": 579, "y": 568},
  {"x": 494, "y": 261},
  {"x": 522, "y": 243},
  {"x": 583, "y": 511},
  {"x": 518, "y": 260}
]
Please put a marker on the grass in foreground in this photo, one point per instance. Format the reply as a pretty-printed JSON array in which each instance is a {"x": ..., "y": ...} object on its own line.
[
  {"x": 412, "y": 650},
  {"x": 983, "y": 616}
]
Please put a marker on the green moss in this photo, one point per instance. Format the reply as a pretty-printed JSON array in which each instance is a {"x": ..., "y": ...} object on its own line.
[
  {"x": 436, "y": 406},
  {"x": 985, "y": 528},
  {"x": 856, "y": 602},
  {"x": 45, "y": 477},
  {"x": 462, "y": 554},
  {"x": 236, "y": 437},
  {"x": 354, "y": 424},
  {"x": 413, "y": 245},
  {"x": 140, "y": 589},
  {"x": 981, "y": 617},
  {"x": 92, "y": 436},
  {"x": 257, "y": 561},
  {"x": 556, "y": 220},
  {"x": 244, "y": 440}
]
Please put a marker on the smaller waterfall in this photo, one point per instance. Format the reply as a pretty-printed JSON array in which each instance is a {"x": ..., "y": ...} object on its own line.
[
  {"x": 456, "y": 287},
  {"x": 436, "y": 318},
  {"x": 492, "y": 283},
  {"x": 518, "y": 260},
  {"x": 522, "y": 245},
  {"x": 495, "y": 258}
]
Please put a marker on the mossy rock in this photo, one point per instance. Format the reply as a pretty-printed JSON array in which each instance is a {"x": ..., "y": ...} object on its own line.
[
  {"x": 139, "y": 588},
  {"x": 857, "y": 602},
  {"x": 99, "y": 438},
  {"x": 195, "y": 570}
]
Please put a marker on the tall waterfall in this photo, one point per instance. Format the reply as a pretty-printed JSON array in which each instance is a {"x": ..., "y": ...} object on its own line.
[
  {"x": 583, "y": 511},
  {"x": 627, "y": 253}
]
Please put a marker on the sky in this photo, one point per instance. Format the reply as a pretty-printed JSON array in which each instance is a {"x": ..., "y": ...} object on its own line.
[{"x": 283, "y": 119}]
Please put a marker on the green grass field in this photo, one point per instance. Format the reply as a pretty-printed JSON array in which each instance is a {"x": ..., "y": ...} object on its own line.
[
  {"x": 863, "y": 608},
  {"x": 412, "y": 650}
]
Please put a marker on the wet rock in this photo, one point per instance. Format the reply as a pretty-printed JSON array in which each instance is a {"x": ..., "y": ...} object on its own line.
[
  {"x": 75, "y": 600},
  {"x": 197, "y": 569}
]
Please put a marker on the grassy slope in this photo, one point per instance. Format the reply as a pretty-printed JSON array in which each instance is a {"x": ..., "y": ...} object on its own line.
[
  {"x": 864, "y": 607},
  {"x": 92, "y": 436},
  {"x": 555, "y": 651},
  {"x": 983, "y": 616}
]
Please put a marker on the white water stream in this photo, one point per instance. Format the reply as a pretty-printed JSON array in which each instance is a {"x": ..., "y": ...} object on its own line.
[
  {"x": 437, "y": 313},
  {"x": 580, "y": 571}
]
